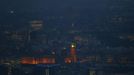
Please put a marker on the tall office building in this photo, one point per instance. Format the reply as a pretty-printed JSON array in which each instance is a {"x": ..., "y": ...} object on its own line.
[
  {"x": 37, "y": 37},
  {"x": 35, "y": 25}
]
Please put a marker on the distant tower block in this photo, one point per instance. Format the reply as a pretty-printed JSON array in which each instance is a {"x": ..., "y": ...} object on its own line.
[
  {"x": 73, "y": 52},
  {"x": 92, "y": 71},
  {"x": 47, "y": 72},
  {"x": 36, "y": 24}
]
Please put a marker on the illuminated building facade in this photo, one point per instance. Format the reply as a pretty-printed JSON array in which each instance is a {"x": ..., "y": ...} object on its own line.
[{"x": 34, "y": 61}]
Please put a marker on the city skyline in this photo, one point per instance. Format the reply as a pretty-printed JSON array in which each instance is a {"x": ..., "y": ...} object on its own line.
[{"x": 67, "y": 37}]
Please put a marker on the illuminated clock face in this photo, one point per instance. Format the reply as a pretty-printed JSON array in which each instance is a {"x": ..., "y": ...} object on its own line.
[{"x": 72, "y": 46}]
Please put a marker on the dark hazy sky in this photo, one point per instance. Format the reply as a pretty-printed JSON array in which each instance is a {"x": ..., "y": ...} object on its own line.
[{"x": 56, "y": 5}]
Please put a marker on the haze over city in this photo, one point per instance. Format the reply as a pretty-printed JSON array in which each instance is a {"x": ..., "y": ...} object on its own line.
[{"x": 67, "y": 37}]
